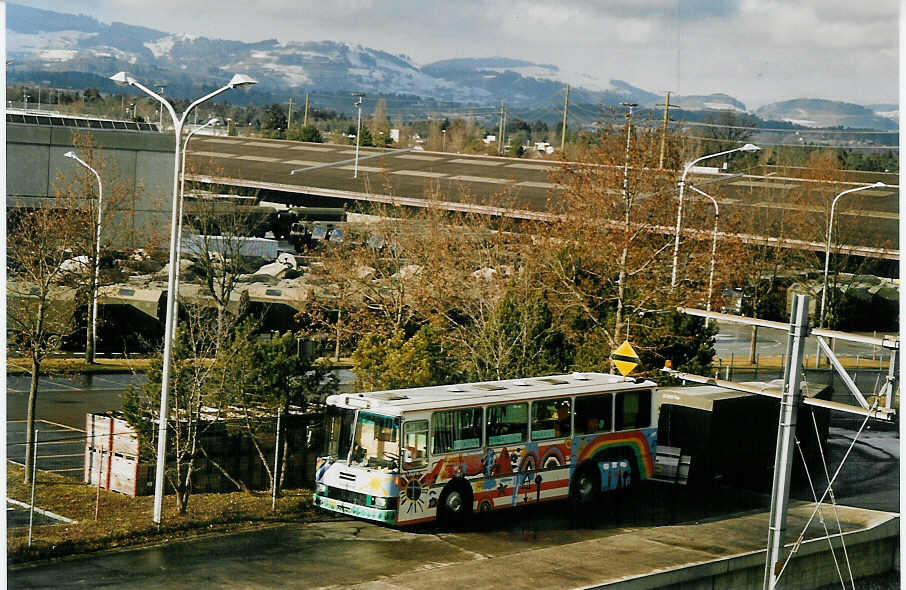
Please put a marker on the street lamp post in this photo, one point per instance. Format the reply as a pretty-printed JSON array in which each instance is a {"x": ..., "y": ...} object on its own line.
[
  {"x": 679, "y": 210},
  {"x": 443, "y": 143},
  {"x": 123, "y": 79},
  {"x": 358, "y": 135},
  {"x": 91, "y": 337},
  {"x": 830, "y": 222},
  {"x": 182, "y": 194},
  {"x": 713, "y": 242}
]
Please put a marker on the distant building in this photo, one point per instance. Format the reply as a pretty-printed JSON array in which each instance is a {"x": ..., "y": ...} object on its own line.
[
  {"x": 489, "y": 139},
  {"x": 395, "y": 135}
]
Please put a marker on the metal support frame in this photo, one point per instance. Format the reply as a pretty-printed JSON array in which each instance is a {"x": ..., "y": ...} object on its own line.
[
  {"x": 791, "y": 398},
  {"x": 783, "y": 458}
]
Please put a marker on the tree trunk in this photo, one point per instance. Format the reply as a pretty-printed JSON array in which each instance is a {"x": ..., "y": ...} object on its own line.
[{"x": 30, "y": 418}]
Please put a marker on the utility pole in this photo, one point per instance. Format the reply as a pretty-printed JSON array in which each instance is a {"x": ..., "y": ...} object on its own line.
[
  {"x": 565, "y": 111},
  {"x": 500, "y": 131},
  {"x": 160, "y": 88},
  {"x": 289, "y": 115},
  {"x": 305, "y": 116},
  {"x": 358, "y": 135},
  {"x": 631, "y": 105},
  {"x": 667, "y": 106}
]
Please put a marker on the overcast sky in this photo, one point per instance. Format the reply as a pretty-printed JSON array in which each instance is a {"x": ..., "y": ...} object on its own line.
[{"x": 759, "y": 51}]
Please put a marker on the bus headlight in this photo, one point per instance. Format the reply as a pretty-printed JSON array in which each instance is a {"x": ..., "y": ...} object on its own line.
[
  {"x": 321, "y": 489},
  {"x": 380, "y": 502}
]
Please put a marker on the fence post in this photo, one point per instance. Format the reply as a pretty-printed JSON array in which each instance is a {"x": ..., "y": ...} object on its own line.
[
  {"x": 730, "y": 367},
  {"x": 34, "y": 472},
  {"x": 97, "y": 498},
  {"x": 276, "y": 464}
]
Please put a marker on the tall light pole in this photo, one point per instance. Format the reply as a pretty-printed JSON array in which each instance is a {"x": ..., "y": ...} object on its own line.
[
  {"x": 358, "y": 134},
  {"x": 713, "y": 242},
  {"x": 123, "y": 79},
  {"x": 91, "y": 337},
  {"x": 182, "y": 194},
  {"x": 830, "y": 222},
  {"x": 749, "y": 147}
]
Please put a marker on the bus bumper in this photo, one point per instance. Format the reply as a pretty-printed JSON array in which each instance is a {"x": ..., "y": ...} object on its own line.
[{"x": 367, "y": 512}]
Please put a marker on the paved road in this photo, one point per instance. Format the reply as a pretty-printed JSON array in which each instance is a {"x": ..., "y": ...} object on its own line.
[{"x": 67, "y": 400}]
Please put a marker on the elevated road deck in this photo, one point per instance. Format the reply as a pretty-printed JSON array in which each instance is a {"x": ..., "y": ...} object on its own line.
[{"x": 520, "y": 188}]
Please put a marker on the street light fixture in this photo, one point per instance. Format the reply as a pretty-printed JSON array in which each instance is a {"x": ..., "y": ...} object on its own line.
[
  {"x": 713, "y": 242},
  {"x": 358, "y": 134},
  {"x": 830, "y": 222},
  {"x": 749, "y": 147},
  {"x": 124, "y": 79},
  {"x": 91, "y": 338}
]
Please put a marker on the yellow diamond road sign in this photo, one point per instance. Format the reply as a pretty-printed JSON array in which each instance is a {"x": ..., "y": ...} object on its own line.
[{"x": 625, "y": 359}]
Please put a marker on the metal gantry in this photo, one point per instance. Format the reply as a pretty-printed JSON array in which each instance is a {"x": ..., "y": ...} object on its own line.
[{"x": 790, "y": 401}]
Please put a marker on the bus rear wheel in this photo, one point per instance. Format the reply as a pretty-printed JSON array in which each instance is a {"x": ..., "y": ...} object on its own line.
[
  {"x": 455, "y": 505},
  {"x": 586, "y": 486}
]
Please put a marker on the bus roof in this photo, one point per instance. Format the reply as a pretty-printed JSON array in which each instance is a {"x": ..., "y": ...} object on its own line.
[{"x": 399, "y": 401}]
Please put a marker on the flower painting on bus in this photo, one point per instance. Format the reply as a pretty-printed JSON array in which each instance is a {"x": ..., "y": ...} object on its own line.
[{"x": 446, "y": 452}]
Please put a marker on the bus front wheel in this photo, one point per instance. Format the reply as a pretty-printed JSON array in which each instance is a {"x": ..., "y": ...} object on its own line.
[{"x": 455, "y": 504}]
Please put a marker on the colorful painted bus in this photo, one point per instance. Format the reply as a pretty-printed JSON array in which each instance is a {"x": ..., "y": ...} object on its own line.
[{"x": 414, "y": 455}]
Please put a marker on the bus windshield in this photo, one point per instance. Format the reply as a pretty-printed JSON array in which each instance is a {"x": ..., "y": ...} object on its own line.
[
  {"x": 376, "y": 441},
  {"x": 338, "y": 431}
]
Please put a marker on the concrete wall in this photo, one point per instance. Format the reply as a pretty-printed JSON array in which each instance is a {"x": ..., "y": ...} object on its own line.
[
  {"x": 873, "y": 550},
  {"x": 141, "y": 161}
]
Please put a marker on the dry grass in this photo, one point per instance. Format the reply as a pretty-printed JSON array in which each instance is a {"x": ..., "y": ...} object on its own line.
[{"x": 125, "y": 521}]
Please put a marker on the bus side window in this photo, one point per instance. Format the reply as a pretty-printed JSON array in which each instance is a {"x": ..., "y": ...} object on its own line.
[
  {"x": 633, "y": 409},
  {"x": 415, "y": 444},
  {"x": 507, "y": 424},
  {"x": 456, "y": 430},
  {"x": 593, "y": 413},
  {"x": 550, "y": 418}
]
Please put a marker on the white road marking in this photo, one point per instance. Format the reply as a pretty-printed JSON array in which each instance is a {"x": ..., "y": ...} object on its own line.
[
  {"x": 482, "y": 179},
  {"x": 531, "y": 167},
  {"x": 258, "y": 159},
  {"x": 264, "y": 144},
  {"x": 311, "y": 148},
  {"x": 362, "y": 168},
  {"x": 532, "y": 184},
  {"x": 304, "y": 162},
  {"x": 233, "y": 141},
  {"x": 476, "y": 162},
  {"x": 417, "y": 157},
  {"x": 361, "y": 152},
  {"x": 213, "y": 154},
  {"x": 763, "y": 184},
  {"x": 421, "y": 173}
]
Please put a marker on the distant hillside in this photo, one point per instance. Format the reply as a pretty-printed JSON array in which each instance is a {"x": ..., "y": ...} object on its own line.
[{"x": 815, "y": 112}]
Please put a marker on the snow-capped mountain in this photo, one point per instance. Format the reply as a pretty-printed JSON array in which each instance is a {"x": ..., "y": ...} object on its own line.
[{"x": 78, "y": 51}]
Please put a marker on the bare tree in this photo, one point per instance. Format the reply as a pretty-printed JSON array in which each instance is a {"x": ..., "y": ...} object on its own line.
[{"x": 40, "y": 305}]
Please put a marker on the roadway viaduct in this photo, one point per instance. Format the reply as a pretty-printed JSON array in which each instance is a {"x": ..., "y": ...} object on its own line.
[{"x": 521, "y": 188}]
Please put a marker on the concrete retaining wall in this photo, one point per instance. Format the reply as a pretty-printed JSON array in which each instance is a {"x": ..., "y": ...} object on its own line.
[{"x": 873, "y": 550}]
